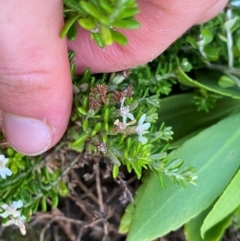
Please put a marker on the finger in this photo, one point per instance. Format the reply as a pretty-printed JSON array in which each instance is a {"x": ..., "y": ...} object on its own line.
[
  {"x": 35, "y": 84},
  {"x": 212, "y": 12},
  {"x": 162, "y": 22}
]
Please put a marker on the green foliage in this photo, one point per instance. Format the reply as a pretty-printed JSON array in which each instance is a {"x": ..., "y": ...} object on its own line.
[
  {"x": 116, "y": 120},
  {"x": 101, "y": 18},
  {"x": 32, "y": 182},
  {"x": 227, "y": 203},
  {"x": 192, "y": 228},
  {"x": 164, "y": 211}
]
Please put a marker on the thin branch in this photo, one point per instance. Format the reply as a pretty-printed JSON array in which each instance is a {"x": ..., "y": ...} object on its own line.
[
  {"x": 100, "y": 197},
  {"x": 84, "y": 188}
]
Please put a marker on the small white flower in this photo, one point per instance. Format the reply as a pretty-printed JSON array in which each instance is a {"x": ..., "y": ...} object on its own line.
[
  {"x": 141, "y": 129},
  {"x": 4, "y": 171},
  {"x": 124, "y": 112},
  {"x": 11, "y": 210},
  {"x": 18, "y": 221}
]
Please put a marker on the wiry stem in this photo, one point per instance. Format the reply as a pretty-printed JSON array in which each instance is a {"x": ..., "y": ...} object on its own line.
[{"x": 229, "y": 40}]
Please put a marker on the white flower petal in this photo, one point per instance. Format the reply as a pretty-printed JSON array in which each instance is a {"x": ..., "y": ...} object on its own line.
[
  {"x": 145, "y": 126},
  {"x": 4, "y": 206},
  {"x": 5, "y": 161},
  {"x": 8, "y": 172},
  {"x": 142, "y": 119},
  {"x": 142, "y": 139},
  {"x": 2, "y": 157},
  {"x": 2, "y": 173},
  {"x": 130, "y": 116},
  {"x": 17, "y": 204},
  {"x": 16, "y": 214},
  {"x": 5, "y": 214}
]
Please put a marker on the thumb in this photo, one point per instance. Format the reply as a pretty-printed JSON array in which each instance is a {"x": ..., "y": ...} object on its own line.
[{"x": 35, "y": 84}]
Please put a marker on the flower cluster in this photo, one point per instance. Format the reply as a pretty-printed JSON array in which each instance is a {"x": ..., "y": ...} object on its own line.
[
  {"x": 4, "y": 171},
  {"x": 141, "y": 128},
  {"x": 11, "y": 212}
]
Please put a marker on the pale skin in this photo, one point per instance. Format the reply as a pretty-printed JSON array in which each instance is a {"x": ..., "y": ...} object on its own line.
[{"x": 35, "y": 84}]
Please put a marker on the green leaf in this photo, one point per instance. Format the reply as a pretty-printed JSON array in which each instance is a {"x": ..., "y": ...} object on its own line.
[
  {"x": 211, "y": 52},
  {"x": 225, "y": 205},
  {"x": 62, "y": 189},
  {"x": 119, "y": 38},
  {"x": 215, "y": 153},
  {"x": 90, "y": 9},
  {"x": 68, "y": 25},
  {"x": 126, "y": 219},
  {"x": 129, "y": 24},
  {"x": 87, "y": 23},
  {"x": 129, "y": 12},
  {"x": 106, "y": 6},
  {"x": 21, "y": 164},
  {"x": 207, "y": 36},
  {"x": 54, "y": 196},
  {"x": 192, "y": 41},
  {"x": 72, "y": 32},
  {"x": 106, "y": 35},
  {"x": 73, "y": 4},
  {"x": 44, "y": 203},
  {"x": 178, "y": 111},
  {"x": 226, "y": 82},
  {"x": 14, "y": 168},
  {"x": 192, "y": 228},
  {"x": 98, "y": 38},
  {"x": 238, "y": 43},
  {"x": 208, "y": 82}
]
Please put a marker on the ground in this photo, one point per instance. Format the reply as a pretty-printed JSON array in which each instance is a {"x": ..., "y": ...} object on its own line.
[{"x": 93, "y": 208}]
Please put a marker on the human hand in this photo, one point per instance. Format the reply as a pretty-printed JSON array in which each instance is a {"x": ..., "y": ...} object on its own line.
[{"x": 35, "y": 83}]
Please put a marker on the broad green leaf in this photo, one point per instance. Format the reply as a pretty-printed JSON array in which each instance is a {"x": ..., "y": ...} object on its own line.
[
  {"x": 215, "y": 153},
  {"x": 192, "y": 228},
  {"x": 225, "y": 205},
  {"x": 208, "y": 82},
  {"x": 179, "y": 112},
  {"x": 128, "y": 215}
]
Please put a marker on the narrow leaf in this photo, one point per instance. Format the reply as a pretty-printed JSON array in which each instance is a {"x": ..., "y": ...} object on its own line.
[
  {"x": 192, "y": 228},
  {"x": 68, "y": 25},
  {"x": 225, "y": 205},
  {"x": 178, "y": 111},
  {"x": 208, "y": 82},
  {"x": 119, "y": 38}
]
